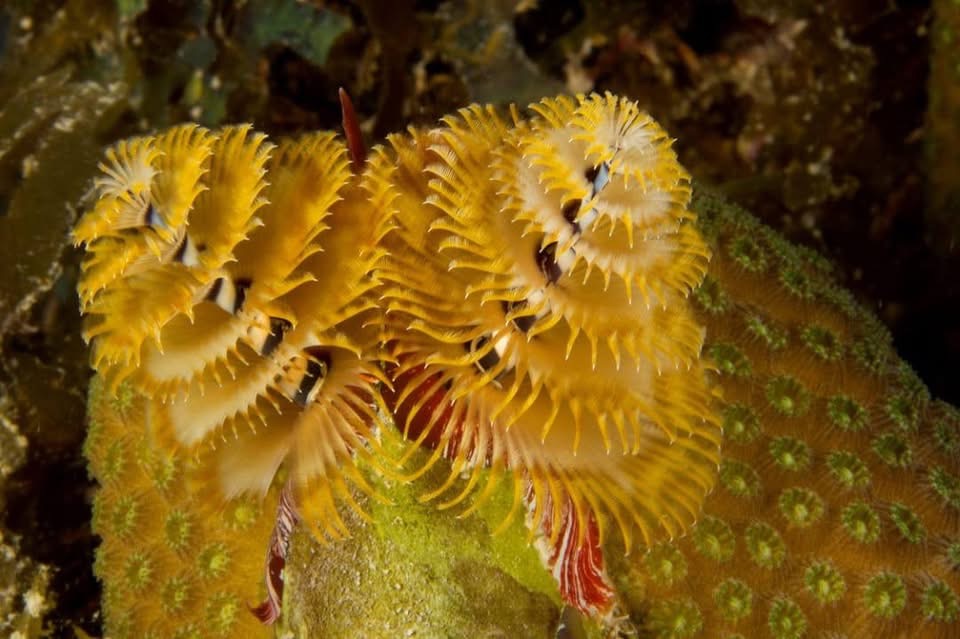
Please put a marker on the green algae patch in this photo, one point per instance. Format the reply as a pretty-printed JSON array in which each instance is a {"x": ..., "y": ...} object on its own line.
[
  {"x": 49, "y": 147},
  {"x": 310, "y": 31},
  {"x": 416, "y": 571}
]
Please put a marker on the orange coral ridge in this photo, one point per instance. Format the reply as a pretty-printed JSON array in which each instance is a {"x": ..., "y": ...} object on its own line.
[
  {"x": 838, "y": 506},
  {"x": 249, "y": 311}
]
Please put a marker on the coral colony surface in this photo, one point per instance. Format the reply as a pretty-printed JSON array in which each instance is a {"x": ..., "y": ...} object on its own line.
[{"x": 703, "y": 433}]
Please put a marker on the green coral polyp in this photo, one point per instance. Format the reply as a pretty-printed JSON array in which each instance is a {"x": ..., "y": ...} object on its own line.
[
  {"x": 177, "y": 530},
  {"x": 665, "y": 563},
  {"x": 893, "y": 450},
  {"x": 908, "y": 523},
  {"x": 241, "y": 513},
  {"x": 787, "y": 396},
  {"x": 848, "y": 469},
  {"x": 174, "y": 594},
  {"x": 953, "y": 554},
  {"x": 739, "y": 478},
  {"x": 163, "y": 472},
  {"x": 790, "y": 454},
  {"x": 842, "y": 300},
  {"x": 885, "y": 595},
  {"x": 773, "y": 336},
  {"x": 823, "y": 342},
  {"x": 824, "y": 582},
  {"x": 861, "y": 522},
  {"x": 946, "y": 430},
  {"x": 138, "y": 572},
  {"x": 846, "y": 414},
  {"x": 797, "y": 283},
  {"x": 902, "y": 411},
  {"x": 914, "y": 390},
  {"x": 713, "y": 538},
  {"x": 734, "y": 599},
  {"x": 939, "y": 603},
  {"x": 222, "y": 614},
  {"x": 114, "y": 463},
  {"x": 765, "y": 545},
  {"x": 121, "y": 400},
  {"x": 801, "y": 506},
  {"x": 213, "y": 561},
  {"x": 729, "y": 359},
  {"x": 189, "y": 631},
  {"x": 711, "y": 297},
  {"x": 675, "y": 619},
  {"x": 740, "y": 423},
  {"x": 126, "y": 514},
  {"x": 947, "y": 486},
  {"x": 786, "y": 619},
  {"x": 872, "y": 352},
  {"x": 748, "y": 254}
]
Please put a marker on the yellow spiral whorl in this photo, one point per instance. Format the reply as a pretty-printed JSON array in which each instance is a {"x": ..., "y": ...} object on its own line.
[
  {"x": 230, "y": 281},
  {"x": 515, "y": 352}
]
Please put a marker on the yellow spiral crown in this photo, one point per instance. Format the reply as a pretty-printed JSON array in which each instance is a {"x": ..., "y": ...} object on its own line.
[
  {"x": 515, "y": 351},
  {"x": 241, "y": 306}
]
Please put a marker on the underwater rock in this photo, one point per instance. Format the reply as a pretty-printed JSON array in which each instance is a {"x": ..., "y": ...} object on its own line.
[
  {"x": 943, "y": 122},
  {"x": 409, "y": 573},
  {"x": 49, "y": 146},
  {"x": 24, "y": 595},
  {"x": 50, "y": 132}
]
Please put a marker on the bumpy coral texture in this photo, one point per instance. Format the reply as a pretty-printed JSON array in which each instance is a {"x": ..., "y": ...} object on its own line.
[
  {"x": 838, "y": 506},
  {"x": 176, "y": 560}
]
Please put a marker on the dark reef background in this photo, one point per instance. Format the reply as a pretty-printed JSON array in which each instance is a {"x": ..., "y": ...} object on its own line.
[{"x": 837, "y": 122}]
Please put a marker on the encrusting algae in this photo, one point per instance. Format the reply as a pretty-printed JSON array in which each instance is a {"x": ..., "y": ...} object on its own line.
[{"x": 699, "y": 428}]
